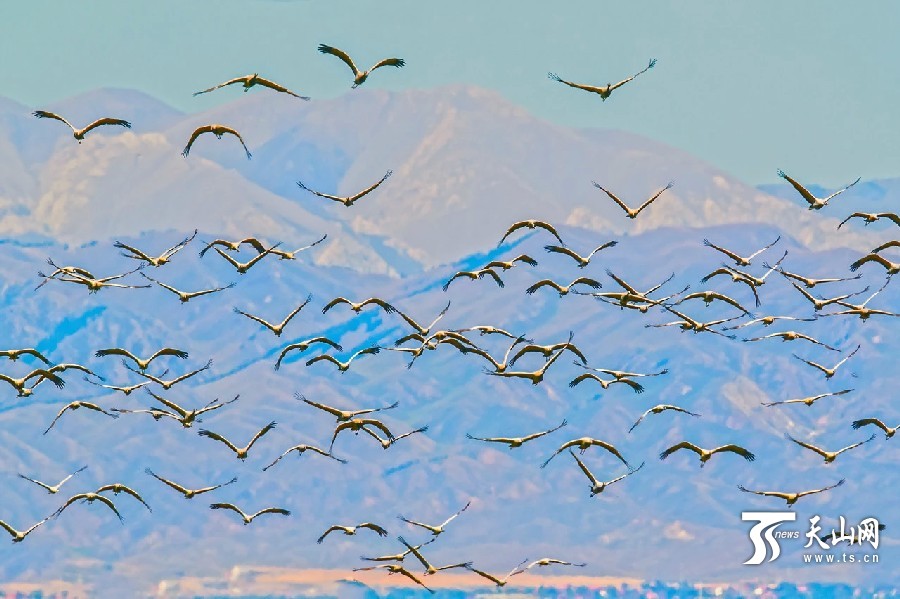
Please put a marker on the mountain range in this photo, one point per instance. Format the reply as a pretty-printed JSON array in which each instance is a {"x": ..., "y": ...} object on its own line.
[{"x": 466, "y": 164}]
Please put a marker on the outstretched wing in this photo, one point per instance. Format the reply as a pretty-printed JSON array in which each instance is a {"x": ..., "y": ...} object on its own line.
[
  {"x": 388, "y": 62},
  {"x": 43, "y": 114},
  {"x": 676, "y": 447},
  {"x": 747, "y": 455},
  {"x": 197, "y": 133},
  {"x": 278, "y": 88},
  {"x": 800, "y": 189},
  {"x": 218, "y": 437},
  {"x": 262, "y": 432},
  {"x": 107, "y": 121},
  {"x": 368, "y": 189},
  {"x": 587, "y": 88},
  {"x": 340, "y": 54},
  {"x": 229, "y": 82}
]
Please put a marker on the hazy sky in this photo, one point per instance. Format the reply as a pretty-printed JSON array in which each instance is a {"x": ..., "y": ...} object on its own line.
[{"x": 808, "y": 86}]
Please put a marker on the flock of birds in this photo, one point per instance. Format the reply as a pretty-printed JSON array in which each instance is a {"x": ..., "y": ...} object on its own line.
[{"x": 429, "y": 337}]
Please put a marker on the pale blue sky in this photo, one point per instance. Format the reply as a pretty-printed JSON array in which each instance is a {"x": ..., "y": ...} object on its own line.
[{"x": 808, "y": 86}]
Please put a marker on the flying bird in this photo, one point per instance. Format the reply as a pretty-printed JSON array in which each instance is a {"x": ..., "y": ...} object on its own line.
[
  {"x": 168, "y": 384},
  {"x": 792, "y": 336},
  {"x": 19, "y": 536},
  {"x": 635, "y": 386},
  {"x": 42, "y": 374},
  {"x": 234, "y": 246},
  {"x": 218, "y": 131},
  {"x": 117, "y": 488},
  {"x": 248, "y": 518},
  {"x": 631, "y": 212},
  {"x": 564, "y": 290},
  {"x": 506, "y": 265},
  {"x": 709, "y": 296},
  {"x": 301, "y": 449},
  {"x": 93, "y": 284},
  {"x": 358, "y": 307},
  {"x": 583, "y": 444},
  {"x": 871, "y": 217},
  {"x": 243, "y": 267},
  {"x": 891, "y": 268},
  {"x": 424, "y": 331},
  {"x": 359, "y": 77},
  {"x": 240, "y": 452},
  {"x": 343, "y": 366},
  {"x": 580, "y": 260},
  {"x": 15, "y": 354},
  {"x": 810, "y": 282},
  {"x": 429, "y": 569},
  {"x": 807, "y": 400},
  {"x": 277, "y": 329},
  {"x": 535, "y": 376},
  {"x": 705, "y": 454},
  {"x": 90, "y": 498},
  {"x": 186, "y": 296},
  {"x": 791, "y": 498},
  {"x": 188, "y": 417},
  {"x": 605, "y": 90},
  {"x": 302, "y": 346},
  {"x": 530, "y": 224},
  {"x": 80, "y": 133},
  {"x": 352, "y": 530},
  {"x": 547, "y": 561},
  {"x": 829, "y": 372},
  {"x": 819, "y": 303},
  {"x": 188, "y": 493},
  {"x": 54, "y": 489},
  {"x": 157, "y": 413},
  {"x": 76, "y": 405},
  {"x": 142, "y": 364},
  {"x": 347, "y": 200},
  {"x": 358, "y": 424},
  {"x": 621, "y": 374},
  {"x": 500, "y": 582},
  {"x": 814, "y": 202},
  {"x": 689, "y": 324},
  {"x": 632, "y": 295},
  {"x": 736, "y": 277},
  {"x": 888, "y": 431},
  {"x": 385, "y": 443},
  {"x": 828, "y": 455},
  {"x": 155, "y": 261},
  {"x": 439, "y": 529},
  {"x": 502, "y": 366},
  {"x": 548, "y": 350},
  {"x": 597, "y": 486},
  {"x": 283, "y": 255},
  {"x": 767, "y": 320},
  {"x": 514, "y": 442},
  {"x": 399, "y": 557},
  {"x": 485, "y": 329},
  {"x": 740, "y": 260},
  {"x": 659, "y": 409},
  {"x": 249, "y": 81},
  {"x": 860, "y": 309},
  {"x": 474, "y": 275}
]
